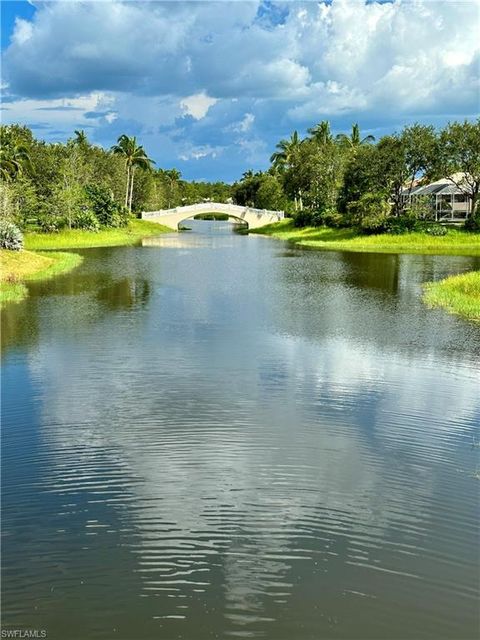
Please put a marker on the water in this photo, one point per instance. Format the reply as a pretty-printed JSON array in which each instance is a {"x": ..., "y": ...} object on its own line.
[{"x": 216, "y": 436}]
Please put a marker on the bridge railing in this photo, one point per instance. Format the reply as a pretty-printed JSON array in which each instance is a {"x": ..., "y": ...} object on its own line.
[{"x": 211, "y": 207}]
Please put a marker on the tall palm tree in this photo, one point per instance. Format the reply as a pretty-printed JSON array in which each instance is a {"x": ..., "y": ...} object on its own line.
[
  {"x": 14, "y": 160},
  {"x": 287, "y": 149},
  {"x": 354, "y": 140},
  {"x": 321, "y": 132},
  {"x": 135, "y": 156}
]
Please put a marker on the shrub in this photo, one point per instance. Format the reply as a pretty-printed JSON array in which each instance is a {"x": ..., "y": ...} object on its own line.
[
  {"x": 86, "y": 220},
  {"x": 436, "y": 230},
  {"x": 402, "y": 224},
  {"x": 369, "y": 213},
  {"x": 108, "y": 212},
  {"x": 303, "y": 218},
  {"x": 473, "y": 222},
  {"x": 331, "y": 218},
  {"x": 10, "y": 236},
  {"x": 49, "y": 223}
]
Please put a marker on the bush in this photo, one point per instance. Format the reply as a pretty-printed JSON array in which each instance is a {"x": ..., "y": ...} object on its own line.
[
  {"x": 303, "y": 218},
  {"x": 402, "y": 224},
  {"x": 86, "y": 220},
  {"x": 331, "y": 218},
  {"x": 369, "y": 213},
  {"x": 10, "y": 236},
  {"x": 49, "y": 223},
  {"x": 108, "y": 212},
  {"x": 435, "y": 230},
  {"x": 473, "y": 222}
]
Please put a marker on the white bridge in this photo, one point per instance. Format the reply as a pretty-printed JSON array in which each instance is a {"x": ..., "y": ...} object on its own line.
[{"x": 252, "y": 217}]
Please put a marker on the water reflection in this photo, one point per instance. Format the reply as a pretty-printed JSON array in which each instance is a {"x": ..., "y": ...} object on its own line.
[{"x": 226, "y": 440}]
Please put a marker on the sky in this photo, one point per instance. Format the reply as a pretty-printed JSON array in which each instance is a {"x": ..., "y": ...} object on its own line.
[{"x": 210, "y": 87}]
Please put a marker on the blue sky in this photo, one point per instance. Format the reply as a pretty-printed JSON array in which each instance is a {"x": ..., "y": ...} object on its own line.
[{"x": 210, "y": 87}]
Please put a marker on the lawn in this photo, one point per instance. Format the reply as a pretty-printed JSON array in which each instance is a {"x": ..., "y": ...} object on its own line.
[
  {"x": 80, "y": 239},
  {"x": 458, "y": 294},
  {"x": 455, "y": 242},
  {"x": 18, "y": 267}
]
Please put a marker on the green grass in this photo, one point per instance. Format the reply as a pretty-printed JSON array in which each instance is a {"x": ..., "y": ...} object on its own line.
[
  {"x": 80, "y": 239},
  {"x": 18, "y": 267},
  {"x": 457, "y": 294},
  {"x": 455, "y": 242}
]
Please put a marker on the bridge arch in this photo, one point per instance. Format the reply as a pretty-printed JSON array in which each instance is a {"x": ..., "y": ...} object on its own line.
[{"x": 252, "y": 217}]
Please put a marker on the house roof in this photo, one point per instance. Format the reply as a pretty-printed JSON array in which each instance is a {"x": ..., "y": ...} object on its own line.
[{"x": 444, "y": 186}]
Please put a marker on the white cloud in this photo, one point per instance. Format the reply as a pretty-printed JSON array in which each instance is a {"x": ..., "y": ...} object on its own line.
[
  {"x": 197, "y": 105},
  {"x": 197, "y": 153},
  {"x": 23, "y": 31},
  {"x": 243, "y": 125},
  {"x": 236, "y": 73}
]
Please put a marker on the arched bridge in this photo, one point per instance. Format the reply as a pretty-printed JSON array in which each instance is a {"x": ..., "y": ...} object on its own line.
[{"x": 253, "y": 217}]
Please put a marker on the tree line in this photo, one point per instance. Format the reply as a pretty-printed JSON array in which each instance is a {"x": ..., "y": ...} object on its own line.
[
  {"x": 49, "y": 186},
  {"x": 321, "y": 179},
  {"x": 351, "y": 180}
]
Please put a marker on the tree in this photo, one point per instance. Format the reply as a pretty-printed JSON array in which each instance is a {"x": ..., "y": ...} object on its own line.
[
  {"x": 459, "y": 158},
  {"x": 354, "y": 140},
  {"x": 419, "y": 145},
  {"x": 286, "y": 151},
  {"x": 321, "y": 133},
  {"x": 80, "y": 138},
  {"x": 173, "y": 177},
  {"x": 135, "y": 157},
  {"x": 14, "y": 154}
]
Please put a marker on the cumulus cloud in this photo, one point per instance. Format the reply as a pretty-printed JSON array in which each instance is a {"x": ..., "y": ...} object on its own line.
[
  {"x": 197, "y": 105},
  {"x": 225, "y": 69}
]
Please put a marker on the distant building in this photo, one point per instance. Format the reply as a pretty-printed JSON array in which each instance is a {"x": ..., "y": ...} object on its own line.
[{"x": 447, "y": 197}]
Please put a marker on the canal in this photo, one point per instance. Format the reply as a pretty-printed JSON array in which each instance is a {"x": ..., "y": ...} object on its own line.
[{"x": 218, "y": 435}]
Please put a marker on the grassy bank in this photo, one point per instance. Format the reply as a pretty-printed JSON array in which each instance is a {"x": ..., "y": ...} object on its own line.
[
  {"x": 457, "y": 294},
  {"x": 18, "y": 267},
  {"x": 455, "y": 242},
  {"x": 80, "y": 239}
]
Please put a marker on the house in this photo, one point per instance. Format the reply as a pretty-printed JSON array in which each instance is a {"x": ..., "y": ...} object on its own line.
[{"x": 448, "y": 198}]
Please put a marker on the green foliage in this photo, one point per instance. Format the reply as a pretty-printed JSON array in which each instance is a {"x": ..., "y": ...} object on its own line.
[
  {"x": 86, "y": 220},
  {"x": 459, "y": 157},
  {"x": 369, "y": 213},
  {"x": 435, "y": 229},
  {"x": 108, "y": 212},
  {"x": 47, "y": 189},
  {"x": 10, "y": 236},
  {"x": 404, "y": 223},
  {"x": 15, "y": 144},
  {"x": 259, "y": 190},
  {"x": 304, "y": 218},
  {"x": 457, "y": 294},
  {"x": 473, "y": 222}
]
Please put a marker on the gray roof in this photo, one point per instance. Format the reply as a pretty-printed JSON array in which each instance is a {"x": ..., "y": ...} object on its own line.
[{"x": 434, "y": 189}]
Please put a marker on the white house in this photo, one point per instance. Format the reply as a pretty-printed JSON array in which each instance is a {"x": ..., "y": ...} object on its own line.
[{"x": 448, "y": 198}]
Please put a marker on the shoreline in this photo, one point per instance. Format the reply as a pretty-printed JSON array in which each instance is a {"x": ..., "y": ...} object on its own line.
[
  {"x": 459, "y": 294},
  {"x": 21, "y": 267},
  {"x": 40, "y": 259},
  {"x": 456, "y": 242},
  {"x": 81, "y": 239}
]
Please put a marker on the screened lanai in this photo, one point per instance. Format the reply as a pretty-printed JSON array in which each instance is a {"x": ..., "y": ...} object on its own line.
[{"x": 449, "y": 202}]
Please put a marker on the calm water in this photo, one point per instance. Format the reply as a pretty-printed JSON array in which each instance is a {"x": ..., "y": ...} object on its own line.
[{"x": 217, "y": 436}]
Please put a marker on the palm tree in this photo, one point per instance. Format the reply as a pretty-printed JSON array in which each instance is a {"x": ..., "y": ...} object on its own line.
[
  {"x": 173, "y": 176},
  {"x": 286, "y": 151},
  {"x": 354, "y": 140},
  {"x": 80, "y": 138},
  {"x": 135, "y": 156},
  {"x": 321, "y": 133},
  {"x": 14, "y": 159}
]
